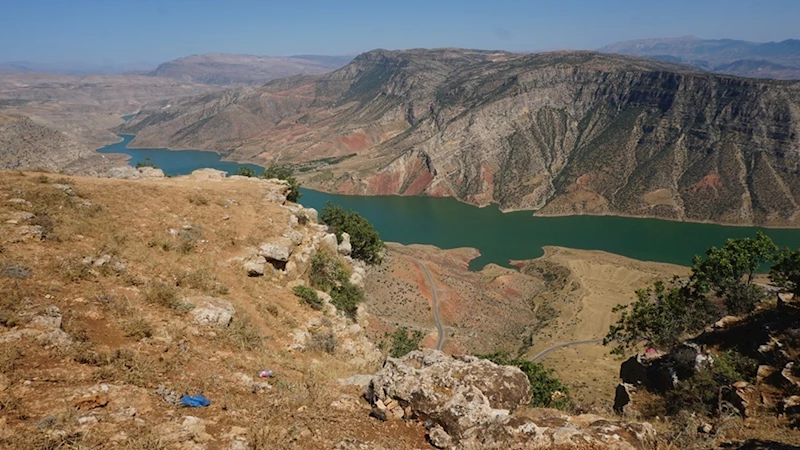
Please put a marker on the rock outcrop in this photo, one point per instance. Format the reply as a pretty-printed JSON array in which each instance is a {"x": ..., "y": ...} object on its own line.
[{"x": 469, "y": 403}]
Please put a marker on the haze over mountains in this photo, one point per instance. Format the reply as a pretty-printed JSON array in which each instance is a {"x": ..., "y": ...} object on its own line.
[
  {"x": 780, "y": 60},
  {"x": 562, "y": 133}
]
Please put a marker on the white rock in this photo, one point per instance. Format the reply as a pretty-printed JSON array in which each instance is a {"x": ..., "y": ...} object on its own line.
[
  {"x": 211, "y": 311},
  {"x": 279, "y": 249},
  {"x": 150, "y": 172},
  {"x": 124, "y": 172},
  {"x": 208, "y": 174},
  {"x": 328, "y": 243},
  {"x": 345, "y": 247}
]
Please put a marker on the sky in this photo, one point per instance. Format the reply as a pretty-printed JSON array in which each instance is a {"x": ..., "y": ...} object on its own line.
[{"x": 124, "y": 31}]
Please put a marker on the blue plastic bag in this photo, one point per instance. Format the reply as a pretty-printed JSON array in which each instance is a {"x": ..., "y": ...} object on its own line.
[{"x": 196, "y": 401}]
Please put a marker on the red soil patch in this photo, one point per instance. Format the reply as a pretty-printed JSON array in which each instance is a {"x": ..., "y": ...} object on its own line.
[
  {"x": 419, "y": 185},
  {"x": 355, "y": 142},
  {"x": 584, "y": 180},
  {"x": 712, "y": 181},
  {"x": 385, "y": 183}
]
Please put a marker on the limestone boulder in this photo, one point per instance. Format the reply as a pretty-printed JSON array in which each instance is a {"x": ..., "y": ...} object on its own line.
[
  {"x": 150, "y": 172},
  {"x": 329, "y": 243},
  {"x": 345, "y": 248},
  {"x": 255, "y": 266},
  {"x": 277, "y": 249},
  {"x": 211, "y": 311},
  {"x": 124, "y": 173},
  {"x": 208, "y": 174}
]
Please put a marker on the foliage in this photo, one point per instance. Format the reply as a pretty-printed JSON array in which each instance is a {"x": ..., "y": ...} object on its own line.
[
  {"x": 308, "y": 296},
  {"x": 660, "y": 317},
  {"x": 403, "y": 343},
  {"x": 786, "y": 271},
  {"x": 245, "y": 172},
  {"x": 146, "y": 163},
  {"x": 728, "y": 271},
  {"x": 163, "y": 294},
  {"x": 548, "y": 391},
  {"x": 366, "y": 242},
  {"x": 284, "y": 173},
  {"x": 700, "y": 392},
  {"x": 328, "y": 274}
]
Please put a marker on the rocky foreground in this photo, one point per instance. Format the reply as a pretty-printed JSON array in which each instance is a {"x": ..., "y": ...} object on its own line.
[{"x": 121, "y": 297}]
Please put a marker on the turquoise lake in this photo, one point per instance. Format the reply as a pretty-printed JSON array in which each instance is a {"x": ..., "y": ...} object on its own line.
[{"x": 500, "y": 237}]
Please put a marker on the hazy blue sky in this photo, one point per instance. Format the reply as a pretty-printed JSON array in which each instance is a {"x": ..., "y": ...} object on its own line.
[{"x": 150, "y": 30}]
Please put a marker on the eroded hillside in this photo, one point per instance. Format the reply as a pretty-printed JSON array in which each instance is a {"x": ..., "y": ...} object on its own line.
[{"x": 560, "y": 133}]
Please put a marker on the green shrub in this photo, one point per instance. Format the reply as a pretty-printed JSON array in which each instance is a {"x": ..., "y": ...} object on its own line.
[
  {"x": 328, "y": 274},
  {"x": 146, "y": 163},
  {"x": 547, "y": 391},
  {"x": 163, "y": 294},
  {"x": 403, "y": 343},
  {"x": 366, "y": 242},
  {"x": 346, "y": 298},
  {"x": 308, "y": 296},
  {"x": 245, "y": 172},
  {"x": 700, "y": 392},
  {"x": 284, "y": 173}
]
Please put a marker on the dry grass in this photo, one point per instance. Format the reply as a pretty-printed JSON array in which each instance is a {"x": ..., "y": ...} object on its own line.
[
  {"x": 163, "y": 294},
  {"x": 138, "y": 328}
]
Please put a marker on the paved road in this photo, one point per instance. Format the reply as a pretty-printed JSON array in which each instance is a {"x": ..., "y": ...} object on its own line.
[
  {"x": 544, "y": 352},
  {"x": 435, "y": 302}
]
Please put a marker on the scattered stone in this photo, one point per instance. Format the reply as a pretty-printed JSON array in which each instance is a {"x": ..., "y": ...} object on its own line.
[
  {"x": 31, "y": 231},
  {"x": 50, "y": 319},
  {"x": 211, "y": 311},
  {"x": 67, "y": 189},
  {"x": 87, "y": 420},
  {"x": 168, "y": 395},
  {"x": 378, "y": 414},
  {"x": 93, "y": 401},
  {"x": 20, "y": 201},
  {"x": 14, "y": 271},
  {"x": 355, "y": 380}
]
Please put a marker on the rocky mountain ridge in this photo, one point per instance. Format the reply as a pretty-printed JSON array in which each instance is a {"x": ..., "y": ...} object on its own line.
[{"x": 558, "y": 133}]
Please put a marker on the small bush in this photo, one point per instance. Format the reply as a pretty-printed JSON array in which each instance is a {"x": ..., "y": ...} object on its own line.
[
  {"x": 404, "y": 343},
  {"x": 284, "y": 173},
  {"x": 146, "y": 163},
  {"x": 243, "y": 334},
  {"x": 163, "y": 294},
  {"x": 548, "y": 391},
  {"x": 138, "y": 328},
  {"x": 346, "y": 298},
  {"x": 326, "y": 272},
  {"x": 202, "y": 280},
  {"x": 322, "y": 342},
  {"x": 308, "y": 296},
  {"x": 197, "y": 199},
  {"x": 245, "y": 172},
  {"x": 366, "y": 242}
]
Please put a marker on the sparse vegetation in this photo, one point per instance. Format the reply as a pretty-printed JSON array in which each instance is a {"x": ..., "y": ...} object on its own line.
[
  {"x": 198, "y": 200},
  {"x": 284, "y": 173},
  {"x": 146, "y": 163},
  {"x": 366, "y": 242},
  {"x": 202, "y": 280},
  {"x": 308, "y": 296},
  {"x": 138, "y": 328},
  {"x": 404, "y": 342},
  {"x": 163, "y": 294},
  {"x": 245, "y": 172},
  {"x": 243, "y": 334},
  {"x": 547, "y": 390},
  {"x": 322, "y": 341},
  {"x": 328, "y": 274}
]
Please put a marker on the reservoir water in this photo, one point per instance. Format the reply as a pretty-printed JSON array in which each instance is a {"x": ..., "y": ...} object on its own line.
[{"x": 500, "y": 237}]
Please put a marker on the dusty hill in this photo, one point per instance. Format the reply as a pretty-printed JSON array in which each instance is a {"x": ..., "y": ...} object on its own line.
[
  {"x": 780, "y": 60},
  {"x": 85, "y": 107},
  {"x": 560, "y": 133},
  {"x": 24, "y": 144},
  {"x": 118, "y": 297},
  {"x": 230, "y": 69}
]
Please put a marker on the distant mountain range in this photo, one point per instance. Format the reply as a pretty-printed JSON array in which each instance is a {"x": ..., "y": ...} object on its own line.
[
  {"x": 74, "y": 68},
  {"x": 561, "y": 133},
  {"x": 226, "y": 68},
  {"x": 779, "y": 60}
]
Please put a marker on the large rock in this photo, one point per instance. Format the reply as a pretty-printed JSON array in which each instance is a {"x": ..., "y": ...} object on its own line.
[
  {"x": 457, "y": 393},
  {"x": 211, "y": 311},
  {"x": 208, "y": 174},
  {"x": 277, "y": 249},
  {"x": 345, "y": 247},
  {"x": 469, "y": 403},
  {"x": 329, "y": 243},
  {"x": 150, "y": 172},
  {"x": 124, "y": 172}
]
